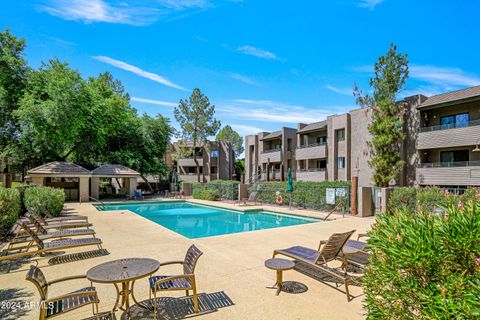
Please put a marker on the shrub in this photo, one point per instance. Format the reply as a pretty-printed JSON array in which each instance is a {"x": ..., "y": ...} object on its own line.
[
  {"x": 428, "y": 199},
  {"x": 425, "y": 266},
  {"x": 227, "y": 189},
  {"x": 43, "y": 200},
  {"x": 310, "y": 195},
  {"x": 204, "y": 194},
  {"x": 403, "y": 198},
  {"x": 9, "y": 209}
]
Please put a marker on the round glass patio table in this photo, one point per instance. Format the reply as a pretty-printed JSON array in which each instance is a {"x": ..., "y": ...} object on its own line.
[{"x": 126, "y": 272}]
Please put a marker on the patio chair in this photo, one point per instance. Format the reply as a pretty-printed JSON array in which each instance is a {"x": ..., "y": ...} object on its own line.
[
  {"x": 318, "y": 260},
  {"x": 51, "y": 307},
  {"x": 23, "y": 237},
  {"x": 185, "y": 281},
  {"x": 43, "y": 247},
  {"x": 251, "y": 198},
  {"x": 359, "y": 257}
]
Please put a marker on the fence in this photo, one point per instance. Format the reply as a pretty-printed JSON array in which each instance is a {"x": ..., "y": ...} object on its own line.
[
  {"x": 312, "y": 197},
  {"x": 226, "y": 191}
]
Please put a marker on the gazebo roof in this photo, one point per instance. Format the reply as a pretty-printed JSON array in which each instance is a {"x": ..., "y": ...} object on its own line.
[
  {"x": 117, "y": 170},
  {"x": 59, "y": 168}
]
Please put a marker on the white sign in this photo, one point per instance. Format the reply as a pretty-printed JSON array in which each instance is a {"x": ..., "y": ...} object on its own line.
[
  {"x": 340, "y": 192},
  {"x": 330, "y": 196}
]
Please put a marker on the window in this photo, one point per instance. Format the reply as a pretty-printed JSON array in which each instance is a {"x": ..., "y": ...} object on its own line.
[
  {"x": 277, "y": 166},
  {"x": 341, "y": 135},
  {"x": 447, "y": 157},
  {"x": 455, "y": 121},
  {"x": 341, "y": 163},
  {"x": 321, "y": 164},
  {"x": 321, "y": 140},
  {"x": 213, "y": 170}
]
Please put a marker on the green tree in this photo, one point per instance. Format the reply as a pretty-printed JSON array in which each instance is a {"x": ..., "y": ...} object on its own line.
[
  {"x": 229, "y": 135},
  {"x": 55, "y": 112},
  {"x": 239, "y": 168},
  {"x": 196, "y": 117},
  {"x": 386, "y": 128}
]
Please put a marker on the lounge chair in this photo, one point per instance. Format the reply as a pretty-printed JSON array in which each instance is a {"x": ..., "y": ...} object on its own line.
[
  {"x": 317, "y": 260},
  {"x": 23, "y": 237},
  {"x": 51, "y": 307},
  {"x": 356, "y": 253},
  {"x": 251, "y": 198},
  {"x": 59, "y": 224},
  {"x": 185, "y": 281},
  {"x": 61, "y": 217},
  {"x": 43, "y": 247}
]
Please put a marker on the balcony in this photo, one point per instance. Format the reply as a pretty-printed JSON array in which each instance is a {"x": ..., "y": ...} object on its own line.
[
  {"x": 311, "y": 151},
  {"x": 449, "y": 135},
  {"x": 314, "y": 174},
  {"x": 275, "y": 155},
  {"x": 460, "y": 173},
  {"x": 188, "y": 162}
]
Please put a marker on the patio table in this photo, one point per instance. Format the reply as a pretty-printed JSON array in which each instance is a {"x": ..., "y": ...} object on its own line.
[
  {"x": 279, "y": 265},
  {"x": 126, "y": 272}
]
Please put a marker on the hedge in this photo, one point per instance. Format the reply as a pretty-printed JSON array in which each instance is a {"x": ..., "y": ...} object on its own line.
[
  {"x": 43, "y": 200},
  {"x": 425, "y": 265},
  {"x": 9, "y": 209},
  {"x": 203, "y": 194},
  {"x": 227, "y": 189},
  {"x": 411, "y": 200},
  {"x": 309, "y": 195}
]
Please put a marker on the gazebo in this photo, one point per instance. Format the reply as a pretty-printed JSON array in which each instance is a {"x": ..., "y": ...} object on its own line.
[
  {"x": 123, "y": 180},
  {"x": 70, "y": 177}
]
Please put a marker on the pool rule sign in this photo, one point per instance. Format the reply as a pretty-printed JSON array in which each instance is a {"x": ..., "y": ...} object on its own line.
[{"x": 330, "y": 196}]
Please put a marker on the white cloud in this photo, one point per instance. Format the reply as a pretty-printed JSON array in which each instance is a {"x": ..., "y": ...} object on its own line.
[
  {"x": 156, "y": 102},
  {"x": 245, "y": 130},
  {"x": 369, "y": 4},
  {"x": 344, "y": 91},
  {"x": 142, "y": 73},
  {"x": 244, "y": 79},
  {"x": 119, "y": 12},
  {"x": 443, "y": 76},
  {"x": 257, "y": 52},
  {"x": 272, "y": 111}
]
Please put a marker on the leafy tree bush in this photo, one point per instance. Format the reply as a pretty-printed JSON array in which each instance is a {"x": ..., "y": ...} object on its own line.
[
  {"x": 227, "y": 189},
  {"x": 43, "y": 200},
  {"x": 411, "y": 200},
  {"x": 9, "y": 209},
  {"x": 425, "y": 266},
  {"x": 404, "y": 198},
  {"x": 204, "y": 194},
  {"x": 429, "y": 199},
  {"x": 310, "y": 195}
]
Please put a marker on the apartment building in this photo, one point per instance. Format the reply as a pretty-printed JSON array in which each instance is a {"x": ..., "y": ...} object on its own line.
[
  {"x": 215, "y": 162},
  {"x": 269, "y": 155},
  {"x": 448, "y": 139}
]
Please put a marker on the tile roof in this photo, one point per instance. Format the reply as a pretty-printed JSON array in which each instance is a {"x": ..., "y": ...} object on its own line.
[
  {"x": 313, "y": 126},
  {"x": 273, "y": 135},
  {"x": 59, "y": 167},
  {"x": 114, "y": 170},
  {"x": 449, "y": 97}
]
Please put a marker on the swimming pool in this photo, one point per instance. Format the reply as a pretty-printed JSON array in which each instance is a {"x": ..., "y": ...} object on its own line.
[{"x": 199, "y": 221}]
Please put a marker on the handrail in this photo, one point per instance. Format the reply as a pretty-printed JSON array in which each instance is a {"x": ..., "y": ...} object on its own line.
[
  {"x": 450, "y": 126},
  {"x": 95, "y": 199},
  {"x": 475, "y": 163},
  {"x": 333, "y": 210},
  {"x": 271, "y": 150},
  {"x": 311, "y": 145}
]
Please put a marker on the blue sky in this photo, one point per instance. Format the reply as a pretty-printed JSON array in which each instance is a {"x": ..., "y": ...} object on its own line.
[{"x": 264, "y": 64}]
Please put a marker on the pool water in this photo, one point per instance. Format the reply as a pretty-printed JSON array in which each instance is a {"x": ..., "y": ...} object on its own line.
[{"x": 199, "y": 221}]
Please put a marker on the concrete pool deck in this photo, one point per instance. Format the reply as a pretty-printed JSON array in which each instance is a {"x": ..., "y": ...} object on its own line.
[{"x": 232, "y": 267}]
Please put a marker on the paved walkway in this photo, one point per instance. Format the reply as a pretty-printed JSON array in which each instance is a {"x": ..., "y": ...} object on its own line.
[{"x": 230, "y": 275}]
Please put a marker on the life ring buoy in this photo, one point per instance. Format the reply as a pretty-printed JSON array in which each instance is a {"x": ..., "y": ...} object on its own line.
[{"x": 279, "y": 200}]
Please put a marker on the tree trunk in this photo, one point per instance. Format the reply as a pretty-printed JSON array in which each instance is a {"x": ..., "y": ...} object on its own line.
[
  {"x": 148, "y": 183},
  {"x": 196, "y": 164}
]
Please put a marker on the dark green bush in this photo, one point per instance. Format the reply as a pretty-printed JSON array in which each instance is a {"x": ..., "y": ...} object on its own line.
[
  {"x": 204, "y": 194},
  {"x": 227, "y": 189},
  {"x": 309, "y": 195},
  {"x": 425, "y": 266},
  {"x": 404, "y": 199},
  {"x": 9, "y": 209},
  {"x": 43, "y": 200}
]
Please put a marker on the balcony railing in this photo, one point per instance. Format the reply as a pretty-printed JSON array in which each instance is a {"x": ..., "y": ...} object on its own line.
[
  {"x": 312, "y": 170},
  {"x": 272, "y": 150},
  {"x": 450, "y": 126},
  {"x": 453, "y": 164},
  {"x": 311, "y": 145}
]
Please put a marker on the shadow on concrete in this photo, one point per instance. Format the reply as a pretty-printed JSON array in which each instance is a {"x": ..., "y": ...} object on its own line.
[
  {"x": 66, "y": 258},
  {"x": 16, "y": 303}
]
